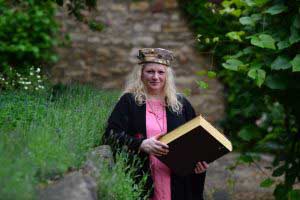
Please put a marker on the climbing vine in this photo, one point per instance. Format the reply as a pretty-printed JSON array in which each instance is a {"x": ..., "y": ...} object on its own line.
[{"x": 256, "y": 45}]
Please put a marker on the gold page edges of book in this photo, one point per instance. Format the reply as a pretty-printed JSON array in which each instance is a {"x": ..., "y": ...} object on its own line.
[{"x": 190, "y": 125}]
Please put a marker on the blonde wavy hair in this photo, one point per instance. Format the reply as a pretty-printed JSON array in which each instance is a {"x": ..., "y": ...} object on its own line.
[{"x": 135, "y": 85}]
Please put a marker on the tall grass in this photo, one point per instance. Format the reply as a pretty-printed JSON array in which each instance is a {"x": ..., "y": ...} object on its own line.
[
  {"x": 118, "y": 184},
  {"x": 43, "y": 135}
]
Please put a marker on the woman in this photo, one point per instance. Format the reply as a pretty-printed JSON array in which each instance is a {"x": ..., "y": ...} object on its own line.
[{"x": 148, "y": 109}]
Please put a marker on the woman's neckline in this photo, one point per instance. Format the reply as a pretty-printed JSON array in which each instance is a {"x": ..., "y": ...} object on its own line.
[{"x": 155, "y": 102}]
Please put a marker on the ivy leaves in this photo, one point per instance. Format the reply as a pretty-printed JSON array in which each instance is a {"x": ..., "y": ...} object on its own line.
[
  {"x": 258, "y": 75},
  {"x": 296, "y": 63},
  {"x": 276, "y": 9},
  {"x": 281, "y": 62},
  {"x": 256, "y": 3},
  {"x": 260, "y": 47},
  {"x": 272, "y": 32},
  {"x": 250, "y": 20},
  {"x": 263, "y": 41},
  {"x": 274, "y": 42},
  {"x": 232, "y": 64}
]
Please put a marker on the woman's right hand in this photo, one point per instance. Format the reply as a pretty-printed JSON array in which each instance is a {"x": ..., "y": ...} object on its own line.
[{"x": 154, "y": 147}]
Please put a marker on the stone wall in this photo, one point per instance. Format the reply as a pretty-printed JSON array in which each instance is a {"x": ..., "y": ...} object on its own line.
[{"x": 105, "y": 58}]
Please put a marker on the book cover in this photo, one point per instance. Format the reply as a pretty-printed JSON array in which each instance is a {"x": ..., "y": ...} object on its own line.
[{"x": 196, "y": 140}]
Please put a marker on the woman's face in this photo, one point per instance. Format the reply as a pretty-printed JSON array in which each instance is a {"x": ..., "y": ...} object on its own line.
[{"x": 154, "y": 77}]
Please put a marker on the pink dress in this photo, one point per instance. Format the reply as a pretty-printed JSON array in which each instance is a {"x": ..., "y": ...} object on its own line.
[{"x": 156, "y": 123}]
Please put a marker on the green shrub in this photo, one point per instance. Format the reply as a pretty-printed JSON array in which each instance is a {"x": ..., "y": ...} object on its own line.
[{"x": 28, "y": 33}]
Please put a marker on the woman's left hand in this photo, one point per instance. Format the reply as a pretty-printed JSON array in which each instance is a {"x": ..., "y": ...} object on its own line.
[{"x": 201, "y": 167}]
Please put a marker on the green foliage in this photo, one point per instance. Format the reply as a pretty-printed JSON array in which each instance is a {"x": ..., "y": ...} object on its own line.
[
  {"x": 258, "y": 47},
  {"x": 294, "y": 195},
  {"x": 267, "y": 182},
  {"x": 96, "y": 26},
  {"x": 296, "y": 63},
  {"x": 28, "y": 34},
  {"x": 263, "y": 41},
  {"x": 202, "y": 84},
  {"x": 43, "y": 135},
  {"x": 233, "y": 64},
  {"x": 121, "y": 177},
  {"x": 211, "y": 74},
  {"x": 32, "y": 80}
]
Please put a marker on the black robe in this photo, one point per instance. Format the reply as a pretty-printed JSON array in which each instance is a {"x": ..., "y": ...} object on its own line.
[{"x": 127, "y": 126}]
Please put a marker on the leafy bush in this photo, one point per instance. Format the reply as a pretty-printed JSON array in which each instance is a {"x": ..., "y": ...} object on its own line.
[
  {"x": 257, "y": 43},
  {"x": 28, "y": 33}
]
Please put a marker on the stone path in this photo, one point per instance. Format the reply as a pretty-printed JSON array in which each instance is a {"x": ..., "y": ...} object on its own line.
[{"x": 241, "y": 184}]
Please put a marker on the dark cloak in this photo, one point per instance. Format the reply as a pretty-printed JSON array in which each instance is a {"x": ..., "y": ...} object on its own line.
[{"x": 127, "y": 127}]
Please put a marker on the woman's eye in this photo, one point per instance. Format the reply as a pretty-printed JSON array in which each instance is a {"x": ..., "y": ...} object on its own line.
[{"x": 161, "y": 72}]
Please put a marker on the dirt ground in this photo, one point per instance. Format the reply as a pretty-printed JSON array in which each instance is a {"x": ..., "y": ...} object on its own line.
[{"x": 240, "y": 184}]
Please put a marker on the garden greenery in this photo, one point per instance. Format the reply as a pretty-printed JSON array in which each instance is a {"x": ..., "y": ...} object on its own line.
[
  {"x": 31, "y": 80},
  {"x": 257, "y": 43},
  {"x": 44, "y": 134},
  {"x": 122, "y": 176},
  {"x": 29, "y": 34},
  {"x": 29, "y": 31}
]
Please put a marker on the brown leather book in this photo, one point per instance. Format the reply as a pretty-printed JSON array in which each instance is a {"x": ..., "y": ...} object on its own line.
[{"x": 196, "y": 140}]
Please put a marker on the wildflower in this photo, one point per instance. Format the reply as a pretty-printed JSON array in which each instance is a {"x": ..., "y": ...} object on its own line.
[
  {"x": 25, "y": 87},
  {"x": 38, "y": 70},
  {"x": 38, "y": 76}
]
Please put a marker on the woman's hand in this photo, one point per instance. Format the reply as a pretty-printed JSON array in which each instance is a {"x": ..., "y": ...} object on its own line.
[
  {"x": 154, "y": 147},
  {"x": 201, "y": 167}
]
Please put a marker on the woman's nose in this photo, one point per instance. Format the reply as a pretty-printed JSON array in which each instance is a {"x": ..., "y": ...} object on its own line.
[{"x": 155, "y": 76}]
